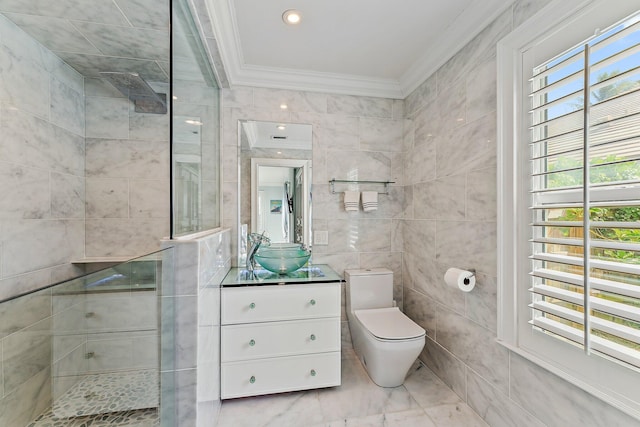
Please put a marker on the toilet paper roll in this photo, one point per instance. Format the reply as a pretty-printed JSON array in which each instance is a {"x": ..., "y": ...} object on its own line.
[{"x": 460, "y": 279}]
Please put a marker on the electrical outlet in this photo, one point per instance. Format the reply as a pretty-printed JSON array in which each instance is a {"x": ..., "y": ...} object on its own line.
[{"x": 321, "y": 237}]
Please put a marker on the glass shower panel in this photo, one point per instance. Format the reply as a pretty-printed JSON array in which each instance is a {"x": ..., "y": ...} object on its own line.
[
  {"x": 195, "y": 130},
  {"x": 91, "y": 348}
]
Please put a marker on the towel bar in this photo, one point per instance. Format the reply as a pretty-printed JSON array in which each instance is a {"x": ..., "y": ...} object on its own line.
[{"x": 356, "y": 181}]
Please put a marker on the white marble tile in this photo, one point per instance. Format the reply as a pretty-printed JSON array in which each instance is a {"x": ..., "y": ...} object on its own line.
[
  {"x": 67, "y": 196},
  {"x": 422, "y": 95},
  {"x": 336, "y": 132},
  {"x": 367, "y": 235},
  {"x": 419, "y": 238},
  {"x": 449, "y": 369},
  {"x": 23, "y": 283},
  {"x": 107, "y": 117},
  {"x": 358, "y": 396},
  {"x": 468, "y": 148},
  {"x": 141, "y": 15},
  {"x": 24, "y": 83},
  {"x": 494, "y": 407},
  {"x": 24, "y": 311},
  {"x": 126, "y": 42},
  {"x": 67, "y": 107},
  {"x": 524, "y": 9},
  {"x": 124, "y": 237},
  {"x": 92, "y": 65},
  {"x": 427, "y": 389},
  {"x": 440, "y": 199},
  {"x": 359, "y": 106},
  {"x": 362, "y": 165},
  {"x": 148, "y": 127},
  {"x": 451, "y": 102},
  {"x": 101, "y": 88},
  {"x": 481, "y": 91},
  {"x": 556, "y": 402},
  {"x": 481, "y": 195},
  {"x": 455, "y": 414},
  {"x": 30, "y": 141},
  {"x": 467, "y": 244},
  {"x": 481, "y": 303},
  {"x": 25, "y": 192},
  {"x": 26, "y": 353},
  {"x": 381, "y": 134},
  {"x": 149, "y": 198},
  {"x": 475, "y": 346},
  {"x": 113, "y": 158},
  {"x": 53, "y": 32},
  {"x": 48, "y": 243},
  {"x": 420, "y": 163},
  {"x": 106, "y": 13},
  {"x": 28, "y": 401},
  {"x": 477, "y": 51},
  {"x": 296, "y": 101},
  {"x": 285, "y": 409},
  {"x": 427, "y": 277},
  {"x": 238, "y": 97},
  {"x": 107, "y": 198},
  {"x": 421, "y": 309}
]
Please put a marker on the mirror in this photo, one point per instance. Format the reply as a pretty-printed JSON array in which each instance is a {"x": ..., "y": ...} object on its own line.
[{"x": 275, "y": 180}]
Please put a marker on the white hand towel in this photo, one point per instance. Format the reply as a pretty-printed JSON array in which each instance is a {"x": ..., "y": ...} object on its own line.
[
  {"x": 369, "y": 200},
  {"x": 351, "y": 200}
]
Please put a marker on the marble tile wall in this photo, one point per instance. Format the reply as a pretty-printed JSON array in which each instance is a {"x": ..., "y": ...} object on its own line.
[
  {"x": 41, "y": 164},
  {"x": 127, "y": 174},
  {"x": 190, "y": 360},
  {"x": 353, "y": 138},
  {"x": 41, "y": 211},
  {"x": 450, "y": 221}
]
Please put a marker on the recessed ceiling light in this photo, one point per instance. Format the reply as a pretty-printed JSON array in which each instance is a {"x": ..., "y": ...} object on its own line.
[
  {"x": 281, "y": 127},
  {"x": 291, "y": 17},
  {"x": 194, "y": 122},
  {"x": 283, "y": 106}
]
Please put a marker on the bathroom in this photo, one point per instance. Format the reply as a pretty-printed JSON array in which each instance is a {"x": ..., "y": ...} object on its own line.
[{"x": 389, "y": 139}]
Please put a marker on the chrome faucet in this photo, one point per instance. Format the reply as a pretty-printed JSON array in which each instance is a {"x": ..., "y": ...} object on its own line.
[{"x": 254, "y": 241}]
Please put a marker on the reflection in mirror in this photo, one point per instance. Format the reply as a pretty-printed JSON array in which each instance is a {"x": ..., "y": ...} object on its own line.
[{"x": 275, "y": 166}]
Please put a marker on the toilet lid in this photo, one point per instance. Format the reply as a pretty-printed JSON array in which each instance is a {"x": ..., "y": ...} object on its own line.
[{"x": 389, "y": 323}]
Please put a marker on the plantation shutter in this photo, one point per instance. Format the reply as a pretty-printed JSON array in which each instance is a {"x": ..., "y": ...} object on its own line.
[{"x": 585, "y": 157}]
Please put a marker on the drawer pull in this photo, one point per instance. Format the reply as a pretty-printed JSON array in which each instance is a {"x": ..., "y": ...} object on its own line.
[
  {"x": 252, "y": 379},
  {"x": 312, "y": 302},
  {"x": 252, "y": 305},
  {"x": 252, "y": 343},
  {"x": 312, "y": 337},
  {"x": 313, "y": 372}
]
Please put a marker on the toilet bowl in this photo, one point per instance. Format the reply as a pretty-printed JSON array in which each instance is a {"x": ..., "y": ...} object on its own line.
[{"x": 385, "y": 340}]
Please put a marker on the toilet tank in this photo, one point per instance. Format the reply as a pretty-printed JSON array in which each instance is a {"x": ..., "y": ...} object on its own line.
[{"x": 369, "y": 288}]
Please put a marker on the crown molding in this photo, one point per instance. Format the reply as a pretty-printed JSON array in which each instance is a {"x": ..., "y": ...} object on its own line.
[{"x": 466, "y": 26}]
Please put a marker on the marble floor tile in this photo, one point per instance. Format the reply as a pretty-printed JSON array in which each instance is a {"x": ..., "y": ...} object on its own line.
[{"x": 423, "y": 400}]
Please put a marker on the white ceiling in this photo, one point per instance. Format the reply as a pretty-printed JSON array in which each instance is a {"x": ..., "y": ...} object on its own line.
[{"x": 361, "y": 47}]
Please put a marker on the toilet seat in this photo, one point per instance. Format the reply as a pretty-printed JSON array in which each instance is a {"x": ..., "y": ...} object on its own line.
[{"x": 389, "y": 324}]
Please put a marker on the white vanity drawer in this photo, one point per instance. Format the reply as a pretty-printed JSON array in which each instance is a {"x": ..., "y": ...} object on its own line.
[
  {"x": 272, "y": 339},
  {"x": 280, "y": 374},
  {"x": 272, "y": 303}
]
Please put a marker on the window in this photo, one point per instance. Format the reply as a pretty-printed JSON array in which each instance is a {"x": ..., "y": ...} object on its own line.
[
  {"x": 585, "y": 157},
  {"x": 569, "y": 138}
]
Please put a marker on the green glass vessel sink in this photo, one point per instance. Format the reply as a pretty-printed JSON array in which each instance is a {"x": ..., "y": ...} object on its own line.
[{"x": 282, "y": 258}]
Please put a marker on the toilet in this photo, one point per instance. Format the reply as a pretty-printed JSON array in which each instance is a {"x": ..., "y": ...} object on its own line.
[{"x": 385, "y": 340}]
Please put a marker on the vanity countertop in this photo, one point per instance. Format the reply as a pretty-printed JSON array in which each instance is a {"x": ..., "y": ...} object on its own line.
[{"x": 317, "y": 273}]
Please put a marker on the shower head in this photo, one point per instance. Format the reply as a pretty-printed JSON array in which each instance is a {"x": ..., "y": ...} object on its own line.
[{"x": 137, "y": 90}]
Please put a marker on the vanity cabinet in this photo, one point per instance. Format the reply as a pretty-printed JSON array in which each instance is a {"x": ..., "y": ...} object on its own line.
[{"x": 279, "y": 337}]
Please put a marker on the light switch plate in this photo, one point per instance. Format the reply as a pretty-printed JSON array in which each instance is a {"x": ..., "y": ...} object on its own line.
[{"x": 321, "y": 237}]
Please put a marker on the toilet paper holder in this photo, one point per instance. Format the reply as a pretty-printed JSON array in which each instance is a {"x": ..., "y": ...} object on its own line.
[{"x": 473, "y": 272}]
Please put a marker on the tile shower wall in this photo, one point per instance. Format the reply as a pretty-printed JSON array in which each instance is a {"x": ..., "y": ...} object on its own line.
[
  {"x": 193, "y": 376},
  {"x": 353, "y": 138},
  {"x": 450, "y": 178},
  {"x": 41, "y": 164},
  {"x": 127, "y": 174}
]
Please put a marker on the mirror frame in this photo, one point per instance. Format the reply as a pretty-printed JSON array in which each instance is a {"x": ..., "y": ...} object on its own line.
[{"x": 306, "y": 166}]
